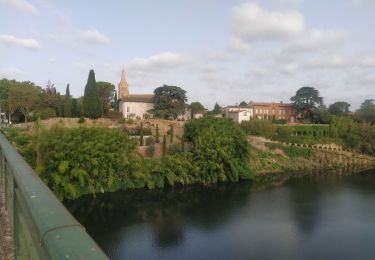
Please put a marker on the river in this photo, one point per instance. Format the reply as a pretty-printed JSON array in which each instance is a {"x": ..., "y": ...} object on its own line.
[{"x": 327, "y": 216}]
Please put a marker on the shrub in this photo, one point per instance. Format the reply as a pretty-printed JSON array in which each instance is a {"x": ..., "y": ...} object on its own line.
[
  {"x": 95, "y": 161},
  {"x": 121, "y": 121},
  {"x": 150, "y": 150},
  {"x": 220, "y": 149},
  {"x": 149, "y": 140},
  {"x": 175, "y": 148},
  {"x": 81, "y": 120}
]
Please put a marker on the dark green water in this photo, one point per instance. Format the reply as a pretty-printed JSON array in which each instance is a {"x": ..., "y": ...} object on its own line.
[{"x": 324, "y": 217}]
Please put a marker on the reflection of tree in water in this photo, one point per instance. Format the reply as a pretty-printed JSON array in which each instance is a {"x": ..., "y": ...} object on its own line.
[
  {"x": 305, "y": 203},
  {"x": 167, "y": 210}
]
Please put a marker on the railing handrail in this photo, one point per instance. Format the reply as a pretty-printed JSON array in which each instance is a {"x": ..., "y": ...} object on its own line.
[{"x": 58, "y": 234}]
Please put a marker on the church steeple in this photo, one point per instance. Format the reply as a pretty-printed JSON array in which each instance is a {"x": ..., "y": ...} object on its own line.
[{"x": 123, "y": 88}]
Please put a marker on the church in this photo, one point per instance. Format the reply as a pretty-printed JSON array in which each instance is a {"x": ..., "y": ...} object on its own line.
[{"x": 135, "y": 105}]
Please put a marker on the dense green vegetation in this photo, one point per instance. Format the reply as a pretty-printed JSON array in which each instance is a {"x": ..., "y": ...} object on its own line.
[
  {"x": 76, "y": 161},
  {"x": 356, "y": 136},
  {"x": 25, "y": 101}
]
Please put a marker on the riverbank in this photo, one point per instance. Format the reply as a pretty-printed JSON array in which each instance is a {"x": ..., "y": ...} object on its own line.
[
  {"x": 272, "y": 157},
  {"x": 74, "y": 161}
]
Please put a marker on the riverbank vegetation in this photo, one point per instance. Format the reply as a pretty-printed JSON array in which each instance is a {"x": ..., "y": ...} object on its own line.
[{"x": 77, "y": 161}]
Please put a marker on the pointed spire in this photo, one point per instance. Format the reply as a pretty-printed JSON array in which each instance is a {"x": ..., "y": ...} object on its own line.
[{"x": 123, "y": 75}]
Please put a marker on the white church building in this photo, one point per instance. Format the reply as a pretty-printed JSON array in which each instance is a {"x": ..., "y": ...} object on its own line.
[{"x": 135, "y": 105}]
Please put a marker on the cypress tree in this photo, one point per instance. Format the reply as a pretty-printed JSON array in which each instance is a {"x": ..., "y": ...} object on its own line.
[
  {"x": 141, "y": 135},
  {"x": 164, "y": 145},
  {"x": 157, "y": 139},
  {"x": 172, "y": 134},
  {"x": 91, "y": 102},
  {"x": 60, "y": 106},
  {"x": 67, "y": 103},
  {"x": 183, "y": 142}
]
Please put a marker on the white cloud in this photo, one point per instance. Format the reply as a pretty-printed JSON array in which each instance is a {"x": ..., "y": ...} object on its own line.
[
  {"x": 341, "y": 61},
  {"x": 238, "y": 45},
  {"x": 250, "y": 22},
  {"x": 73, "y": 37},
  {"x": 94, "y": 36},
  {"x": 10, "y": 40},
  {"x": 158, "y": 62},
  {"x": 21, "y": 5},
  {"x": 316, "y": 39},
  {"x": 10, "y": 73}
]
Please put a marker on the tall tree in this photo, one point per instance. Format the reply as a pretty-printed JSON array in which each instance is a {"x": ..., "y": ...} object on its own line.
[
  {"x": 67, "y": 103},
  {"x": 157, "y": 138},
  {"x": 25, "y": 97},
  {"x": 217, "y": 109},
  {"x": 339, "y": 108},
  {"x": 307, "y": 101},
  {"x": 91, "y": 102},
  {"x": 243, "y": 104},
  {"x": 106, "y": 93},
  {"x": 196, "y": 107},
  {"x": 366, "y": 112},
  {"x": 164, "y": 147},
  {"x": 169, "y": 102}
]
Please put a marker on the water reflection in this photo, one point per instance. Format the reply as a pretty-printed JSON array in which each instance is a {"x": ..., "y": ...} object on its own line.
[{"x": 237, "y": 221}]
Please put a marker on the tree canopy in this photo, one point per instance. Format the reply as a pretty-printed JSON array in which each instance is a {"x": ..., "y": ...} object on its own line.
[
  {"x": 91, "y": 102},
  {"x": 196, "y": 107},
  {"x": 217, "y": 109},
  {"x": 169, "y": 102},
  {"x": 106, "y": 93},
  {"x": 307, "y": 101},
  {"x": 243, "y": 104},
  {"x": 339, "y": 108},
  {"x": 366, "y": 113}
]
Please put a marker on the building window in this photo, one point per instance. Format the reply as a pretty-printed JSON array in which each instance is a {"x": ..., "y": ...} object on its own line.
[
  {"x": 244, "y": 113},
  {"x": 273, "y": 111},
  {"x": 256, "y": 111},
  {"x": 128, "y": 109}
]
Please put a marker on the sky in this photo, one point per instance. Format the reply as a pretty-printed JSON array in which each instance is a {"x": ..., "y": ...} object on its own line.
[{"x": 224, "y": 51}]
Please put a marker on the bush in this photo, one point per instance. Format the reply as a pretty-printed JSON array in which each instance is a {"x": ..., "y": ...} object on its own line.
[
  {"x": 121, "y": 121},
  {"x": 175, "y": 148},
  {"x": 149, "y": 140},
  {"x": 150, "y": 150},
  {"x": 99, "y": 159},
  {"x": 220, "y": 149},
  {"x": 81, "y": 120}
]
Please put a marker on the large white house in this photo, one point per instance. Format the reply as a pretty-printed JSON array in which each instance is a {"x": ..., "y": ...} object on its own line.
[
  {"x": 239, "y": 114},
  {"x": 135, "y": 105}
]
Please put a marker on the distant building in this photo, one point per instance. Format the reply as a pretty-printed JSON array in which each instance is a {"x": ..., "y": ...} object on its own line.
[
  {"x": 133, "y": 105},
  {"x": 197, "y": 115},
  {"x": 239, "y": 114},
  {"x": 276, "y": 111}
]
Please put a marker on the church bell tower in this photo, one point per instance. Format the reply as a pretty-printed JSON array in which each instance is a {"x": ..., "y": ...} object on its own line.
[{"x": 123, "y": 89}]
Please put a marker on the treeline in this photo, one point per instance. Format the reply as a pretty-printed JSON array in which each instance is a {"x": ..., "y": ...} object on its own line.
[
  {"x": 77, "y": 161},
  {"x": 26, "y": 101}
]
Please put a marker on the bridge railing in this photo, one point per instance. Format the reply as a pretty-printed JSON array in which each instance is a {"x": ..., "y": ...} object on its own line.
[{"x": 42, "y": 227}]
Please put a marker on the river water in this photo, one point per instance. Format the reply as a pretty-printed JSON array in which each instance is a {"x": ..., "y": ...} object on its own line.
[{"x": 321, "y": 217}]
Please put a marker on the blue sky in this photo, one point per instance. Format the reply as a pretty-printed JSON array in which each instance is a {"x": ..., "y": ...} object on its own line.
[{"x": 225, "y": 51}]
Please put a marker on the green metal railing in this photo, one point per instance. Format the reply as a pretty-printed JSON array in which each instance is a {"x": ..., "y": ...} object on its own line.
[{"x": 42, "y": 227}]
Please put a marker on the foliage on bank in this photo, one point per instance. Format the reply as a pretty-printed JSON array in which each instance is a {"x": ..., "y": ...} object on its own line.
[
  {"x": 356, "y": 136},
  {"x": 77, "y": 161}
]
